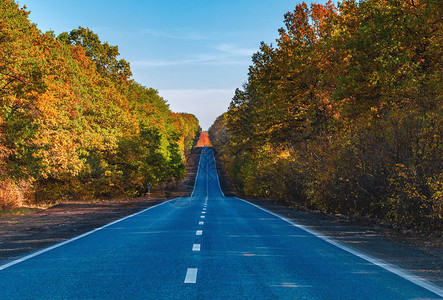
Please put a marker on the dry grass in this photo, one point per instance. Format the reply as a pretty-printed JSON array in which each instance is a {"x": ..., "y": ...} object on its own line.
[{"x": 18, "y": 211}]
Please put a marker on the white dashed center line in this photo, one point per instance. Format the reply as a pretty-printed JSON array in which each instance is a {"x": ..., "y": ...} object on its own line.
[
  {"x": 201, "y": 223},
  {"x": 199, "y": 232},
  {"x": 196, "y": 247},
  {"x": 191, "y": 275},
  {"x": 202, "y": 217},
  {"x": 203, "y": 212}
]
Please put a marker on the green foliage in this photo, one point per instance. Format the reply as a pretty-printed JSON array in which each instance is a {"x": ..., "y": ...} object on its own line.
[
  {"x": 73, "y": 125},
  {"x": 344, "y": 114},
  {"x": 103, "y": 54}
]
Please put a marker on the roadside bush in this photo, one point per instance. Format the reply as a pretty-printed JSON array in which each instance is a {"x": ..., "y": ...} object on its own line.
[{"x": 11, "y": 195}]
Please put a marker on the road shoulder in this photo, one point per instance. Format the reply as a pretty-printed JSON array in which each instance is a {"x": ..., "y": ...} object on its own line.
[
  {"x": 22, "y": 235},
  {"x": 418, "y": 253}
]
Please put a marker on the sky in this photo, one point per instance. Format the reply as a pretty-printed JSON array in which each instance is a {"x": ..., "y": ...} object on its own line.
[{"x": 194, "y": 52}]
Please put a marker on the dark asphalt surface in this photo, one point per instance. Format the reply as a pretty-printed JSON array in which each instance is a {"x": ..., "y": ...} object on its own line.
[{"x": 205, "y": 247}]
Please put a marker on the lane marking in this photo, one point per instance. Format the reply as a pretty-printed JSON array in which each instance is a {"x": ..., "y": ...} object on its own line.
[
  {"x": 24, "y": 258},
  {"x": 196, "y": 247},
  {"x": 202, "y": 217},
  {"x": 378, "y": 262},
  {"x": 10, "y": 264},
  {"x": 199, "y": 232},
  {"x": 201, "y": 223},
  {"x": 203, "y": 212},
  {"x": 191, "y": 275}
]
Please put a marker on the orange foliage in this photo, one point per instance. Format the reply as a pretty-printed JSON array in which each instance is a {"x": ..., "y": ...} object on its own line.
[{"x": 204, "y": 140}]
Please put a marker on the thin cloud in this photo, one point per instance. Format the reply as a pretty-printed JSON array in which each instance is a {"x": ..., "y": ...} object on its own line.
[
  {"x": 224, "y": 54},
  {"x": 172, "y": 62},
  {"x": 212, "y": 60},
  {"x": 178, "y": 33},
  {"x": 233, "y": 50}
]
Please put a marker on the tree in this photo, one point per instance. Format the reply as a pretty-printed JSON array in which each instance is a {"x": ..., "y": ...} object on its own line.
[{"x": 104, "y": 55}]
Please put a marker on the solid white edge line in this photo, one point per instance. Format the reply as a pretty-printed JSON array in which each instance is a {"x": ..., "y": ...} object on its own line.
[
  {"x": 196, "y": 175},
  {"x": 216, "y": 173},
  {"x": 207, "y": 178},
  {"x": 24, "y": 258},
  {"x": 191, "y": 275},
  {"x": 378, "y": 262}
]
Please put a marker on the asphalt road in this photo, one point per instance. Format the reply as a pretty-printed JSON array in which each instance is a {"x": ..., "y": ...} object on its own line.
[{"x": 206, "y": 246}]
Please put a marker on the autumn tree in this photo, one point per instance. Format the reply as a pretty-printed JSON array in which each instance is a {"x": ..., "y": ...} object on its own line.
[
  {"x": 73, "y": 124},
  {"x": 344, "y": 113},
  {"x": 104, "y": 55}
]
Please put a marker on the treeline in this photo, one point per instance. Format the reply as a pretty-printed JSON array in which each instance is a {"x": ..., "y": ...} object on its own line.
[
  {"x": 344, "y": 114},
  {"x": 73, "y": 124}
]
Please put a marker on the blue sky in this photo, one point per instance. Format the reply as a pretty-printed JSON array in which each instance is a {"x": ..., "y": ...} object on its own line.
[{"x": 194, "y": 52}]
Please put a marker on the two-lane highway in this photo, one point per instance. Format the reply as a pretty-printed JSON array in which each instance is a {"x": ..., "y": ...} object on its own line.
[{"x": 206, "y": 246}]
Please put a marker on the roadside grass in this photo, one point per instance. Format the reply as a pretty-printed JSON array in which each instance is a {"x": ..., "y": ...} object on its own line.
[
  {"x": 20, "y": 211},
  {"x": 32, "y": 209}
]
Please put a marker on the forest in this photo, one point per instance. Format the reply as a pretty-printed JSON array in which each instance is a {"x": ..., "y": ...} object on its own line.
[
  {"x": 344, "y": 113},
  {"x": 73, "y": 124}
]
